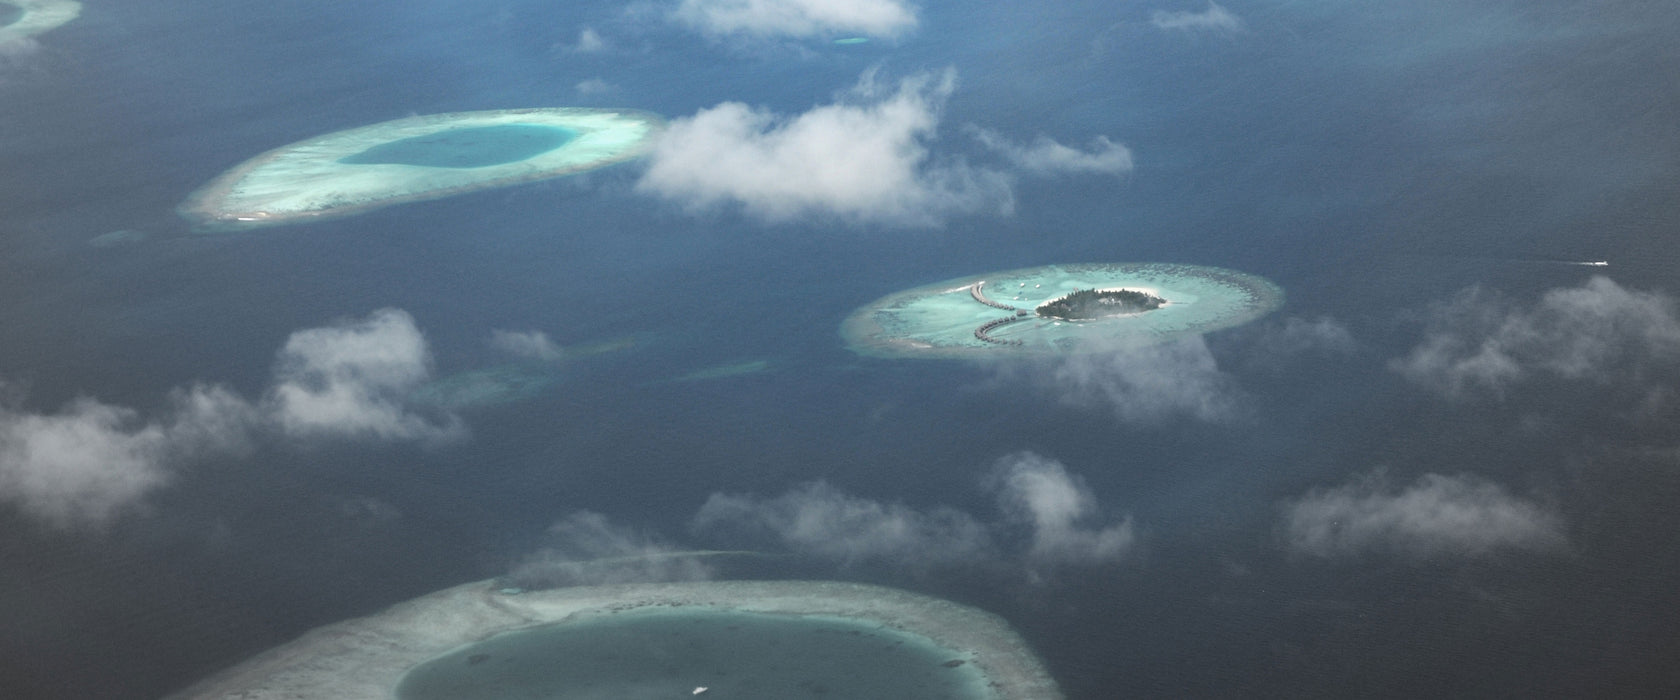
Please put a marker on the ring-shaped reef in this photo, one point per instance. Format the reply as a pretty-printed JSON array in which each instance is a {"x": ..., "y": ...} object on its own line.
[
  {"x": 417, "y": 158},
  {"x": 26, "y": 18},
  {"x": 736, "y": 639},
  {"x": 1004, "y": 313}
]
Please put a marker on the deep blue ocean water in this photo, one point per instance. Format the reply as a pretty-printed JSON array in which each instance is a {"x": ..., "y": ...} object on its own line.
[{"x": 1371, "y": 161}]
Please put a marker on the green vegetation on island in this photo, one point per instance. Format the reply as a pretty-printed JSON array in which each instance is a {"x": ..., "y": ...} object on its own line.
[{"x": 1087, "y": 304}]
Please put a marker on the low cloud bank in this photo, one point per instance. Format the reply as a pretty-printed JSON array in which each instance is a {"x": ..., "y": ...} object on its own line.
[
  {"x": 1435, "y": 516},
  {"x": 796, "y": 18},
  {"x": 90, "y": 462},
  {"x": 1037, "y": 496},
  {"x": 1214, "y": 18},
  {"x": 1481, "y": 344}
]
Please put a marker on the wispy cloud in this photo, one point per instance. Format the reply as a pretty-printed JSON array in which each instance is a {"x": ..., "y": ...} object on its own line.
[
  {"x": 1436, "y": 516},
  {"x": 797, "y": 18},
  {"x": 1298, "y": 336},
  {"x": 1214, "y": 18},
  {"x": 1058, "y": 508},
  {"x": 529, "y": 345},
  {"x": 90, "y": 462},
  {"x": 17, "y": 47},
  {"x": 18, "y": 58},
  {"x": 1045, "y": 156},
  {"x": 864, "y": 159},
  {"x": 586, "y": 549},
  {"x": 1143, "y": 384},
  {"x": 590, "y": 41},
  {"x": 819, "y": 520},
  {"x": 1038, "y": 498},
  {"x": 593, "y": 86},
  {"x": 1481, "y": 344},
  {"x": 1276, "y": 345}
]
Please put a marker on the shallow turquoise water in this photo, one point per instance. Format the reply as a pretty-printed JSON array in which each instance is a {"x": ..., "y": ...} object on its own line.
[
  {"x": 473, "y": 147},
  {"x": 668, "y": 654}
]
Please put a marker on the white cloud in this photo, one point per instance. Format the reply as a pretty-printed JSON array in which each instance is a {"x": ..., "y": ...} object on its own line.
[
  {"x": 1436, "y": 516},
  {"x": 351, "y": 380},
  {"x": 1597, "y": 332},
  {"x": 797, "y": 18},
  {"x": 530, "y": 345},
  {"x": 820, "y": 520},
  {"x": 1045, "y": 156},
  {"x": 91, "y": 461},
  {"x": 1214, "y": 18},
  {"x": 1040, "y": 493},
  {"x": 1056, "y": 510},
  {"x": 587, "y": 549},
  {"x": 864, "y": 159},
  {"x": 1146, "y": 384}
]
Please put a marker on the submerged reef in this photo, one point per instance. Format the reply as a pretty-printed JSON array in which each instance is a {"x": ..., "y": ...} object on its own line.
[
  {"x": 1058, "y": 309},
  {"x": 735, "y": 638},
  {"x": 414, "y": 159}
]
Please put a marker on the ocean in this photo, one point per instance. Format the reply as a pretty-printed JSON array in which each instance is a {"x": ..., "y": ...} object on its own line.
[{"x": 1434, "y": 171}]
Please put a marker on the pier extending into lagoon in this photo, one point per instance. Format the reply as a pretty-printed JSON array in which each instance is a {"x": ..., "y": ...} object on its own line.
[
  {"x": 981, "y": 333},
  {"x": 986, "y": 327},
  {"x": 980, "y": 296}
]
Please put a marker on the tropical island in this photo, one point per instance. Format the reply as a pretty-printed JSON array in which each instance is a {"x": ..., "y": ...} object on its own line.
[
  {"x": 1057, "y": 309},
  {"x": 1091, "y": 304}
]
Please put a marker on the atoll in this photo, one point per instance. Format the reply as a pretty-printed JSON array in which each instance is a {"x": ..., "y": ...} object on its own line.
[
  {"x": 413, "y": 159},
  {"x": 735, "y": 638},
  {"x": 1118, "y": 305}
]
